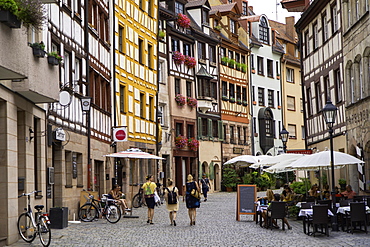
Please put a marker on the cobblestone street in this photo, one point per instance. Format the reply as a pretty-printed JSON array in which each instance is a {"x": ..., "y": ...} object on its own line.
[{"x": 215, "y": 226}]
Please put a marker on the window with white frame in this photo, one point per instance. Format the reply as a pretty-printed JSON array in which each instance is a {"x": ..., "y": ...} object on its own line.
[
  {"x": 325, "y": 34},
  {"x": 290, "y": 100},
  {"x": 260, "y": 65},
  {"x": 315, "y": 31},
  {"x": 334, "y": 18},
  {"x": 161, "y": 69},
  {"x": 264, "y": 31},
  {"x": 290, "y": 75},
  {"x": 292, "y": 131},
  {"x": 232, "y": 26}
]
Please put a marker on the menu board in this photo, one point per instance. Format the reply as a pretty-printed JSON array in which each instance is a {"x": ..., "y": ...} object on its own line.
[{"x": 246, "y": 198}]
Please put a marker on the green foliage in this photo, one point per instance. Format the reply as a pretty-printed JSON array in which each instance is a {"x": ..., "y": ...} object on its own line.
[
  {"x": 237, "y": 65},
  {"x": 230, "y": 178},
  {"x": 161, "y": 34},
  {"x": 225, "y": 60},
  {"x": 55, "y": 54},
  {"x": 9, "y": 5},
  {"x": 293, "y": 211},
  {"x": 243, "y": 67},
  {"x": 231, "y": 62},
  {"x": 301, "y": 187},
  {"x": 342, "y": 181},
  {"x": 265, "y": 180},
  {"x": 32, "y": 13},
  {"x": 40, "y": 45}
]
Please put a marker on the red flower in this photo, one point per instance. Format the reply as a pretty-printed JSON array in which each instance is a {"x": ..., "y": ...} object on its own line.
[
  {"x": 177, "y": 57},
  {"x": 190, "y": 62},
  {"x": 183, "y": 21},
  {"x": 193, "y": 144},
  {"x": 180, "y": 100},
  {"x": 192, "y": 102},
  {"x": 180, "y": 141}
]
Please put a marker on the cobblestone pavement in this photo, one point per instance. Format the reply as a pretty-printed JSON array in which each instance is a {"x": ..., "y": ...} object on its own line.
[{"x": 215, "y": 226}]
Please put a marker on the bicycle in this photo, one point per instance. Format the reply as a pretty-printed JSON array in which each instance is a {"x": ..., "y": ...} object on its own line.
[
  {"x": 138, "y": 199},
  {"x": 105, "y": 207},
  {"x": 29, "y": 226}
]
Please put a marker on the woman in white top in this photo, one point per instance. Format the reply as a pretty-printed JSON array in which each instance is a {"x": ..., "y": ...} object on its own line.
[{"x": 172, "y": 202}]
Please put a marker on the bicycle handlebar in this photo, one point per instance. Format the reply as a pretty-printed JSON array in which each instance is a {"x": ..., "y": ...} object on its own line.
[{"x": 28, "y": 194}]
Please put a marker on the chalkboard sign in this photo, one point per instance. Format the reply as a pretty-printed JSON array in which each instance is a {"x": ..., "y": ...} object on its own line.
[{"x": 246, "y": 197}]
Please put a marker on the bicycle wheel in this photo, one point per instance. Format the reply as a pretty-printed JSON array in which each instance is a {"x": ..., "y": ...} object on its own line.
[
  {"x": 137, "y": 201},
  {"x": 25, "y": 228},
  {"x": 44, "y": 231},
  {"x": 113, "y": 213},
  {"x": 88, "y": 212}
]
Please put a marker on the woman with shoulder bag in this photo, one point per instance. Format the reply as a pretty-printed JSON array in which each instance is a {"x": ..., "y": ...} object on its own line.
[
  {"x": 149, "y": 188},
  {"x": 172, "y": 202},
  {"x": 192, "y": 195}
]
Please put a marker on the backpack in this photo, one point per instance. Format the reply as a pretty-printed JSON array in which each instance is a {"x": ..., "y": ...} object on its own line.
[
  {"x": 171, "y": 196},
  {"x": 148, "y": 190}
]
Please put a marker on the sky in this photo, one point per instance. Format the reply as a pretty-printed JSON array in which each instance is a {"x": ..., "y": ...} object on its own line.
[{"x": 269, "y": 7}]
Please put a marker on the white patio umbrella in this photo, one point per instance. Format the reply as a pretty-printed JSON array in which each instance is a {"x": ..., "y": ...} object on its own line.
[
  {"x": 245, "y": 160},
  {"x": 322, "y": 159},
  {"x": 133, "y": 153},
  {"x": 274, "y": 160}
]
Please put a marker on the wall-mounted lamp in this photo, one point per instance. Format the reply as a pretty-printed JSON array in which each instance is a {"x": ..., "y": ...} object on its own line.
[
  {"x": 85, "y": 103},
  {"x": 31, "y": 133}
]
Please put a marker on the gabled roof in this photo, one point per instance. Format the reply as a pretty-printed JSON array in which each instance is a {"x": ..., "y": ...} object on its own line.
[
  {"x": 202, "y": 72},
  {"x": 224, "y": 7},
  {"x": 253, "y": 40},
  {"x": 281, "y": 33},
  {"x": 252, "y": 18},
  {"x": 196, "y": 3},
  {"x": 278, "y": 47}
]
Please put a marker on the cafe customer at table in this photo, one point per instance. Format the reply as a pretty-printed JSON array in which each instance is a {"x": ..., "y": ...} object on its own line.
[
  {"x": 313, "y": 192},
  {"x": 349, "y": 193},
  {"x": 269, "y": 196},
  {"x": 265, "y": 212}
]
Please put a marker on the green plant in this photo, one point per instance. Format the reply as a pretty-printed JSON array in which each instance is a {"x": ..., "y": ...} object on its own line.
[
  {"x": 161, "y": 34},
  {"x": 231, "y": 62},
  {"x": 56, "y": 55},
  {"x": 293, "y": 211},
  {"x": 224, "y": 60},
  {"x": 342, "y": 181},
  {"x": 243, "y": 67},
  {"x": 38, "y": 45},
  {"x": 230, "y": 178},
  {"x": 218, "y": 27},
  {"x": 9, "y": 5},
  {"x": 301, "y": 187},
  {"x": 263, "y": 181},
  {"x": 32, "y": 13}
]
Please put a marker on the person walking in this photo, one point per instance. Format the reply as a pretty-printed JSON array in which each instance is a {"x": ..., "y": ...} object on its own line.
[
  {"x": 192, "y": 202},
  {"x": 172, "y": 202},
  {"x": 149, "y": 188},
  {"x": 206, "y": 186}
]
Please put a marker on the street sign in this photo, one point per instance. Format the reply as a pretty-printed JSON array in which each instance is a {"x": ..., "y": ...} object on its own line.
[{"x": 120, "y": 134}]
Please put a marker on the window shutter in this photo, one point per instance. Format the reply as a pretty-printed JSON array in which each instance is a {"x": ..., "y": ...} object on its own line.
[
  {"x": 220, "y": 130},
  {"x": 199, "y": 128},
  {"x": 211, "y": 171},
  {"x": 209, "y": 129}
]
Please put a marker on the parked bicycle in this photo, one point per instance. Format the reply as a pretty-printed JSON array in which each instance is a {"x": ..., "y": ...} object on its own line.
[
  {"x": 105, "y": 207},
  {"x": 29, "y": 226},
  {"x": 138, "y": 199},
  {"x": 160, "y": 192}
]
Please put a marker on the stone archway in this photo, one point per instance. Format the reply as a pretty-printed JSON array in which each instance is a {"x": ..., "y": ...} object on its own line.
[{"x": 217, "y": 177}]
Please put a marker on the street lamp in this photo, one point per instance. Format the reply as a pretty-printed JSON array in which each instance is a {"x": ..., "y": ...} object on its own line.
[
  {"x": 85, "y": 106},
  {"x": 284, "y": 137},
  {"x": 330, "y": 113}
]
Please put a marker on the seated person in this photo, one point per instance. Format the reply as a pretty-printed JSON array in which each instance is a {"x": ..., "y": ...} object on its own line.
[
  {"x": 326, "y": 195},
  {"x": 117, "y": 194},
  {"x": 268, "y": 198},
  {"x": 287, "y": 194},
  {"x": 349, "y": 193},
  {"x": 264, "y": 215},
  {"x": 313, "y": 192}
]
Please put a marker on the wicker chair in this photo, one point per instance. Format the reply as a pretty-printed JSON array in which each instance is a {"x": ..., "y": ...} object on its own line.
[
  {"x": 276, "y": 211},
  {"x": 320, "y": 221},
  {"x": 356, "y": 215}
]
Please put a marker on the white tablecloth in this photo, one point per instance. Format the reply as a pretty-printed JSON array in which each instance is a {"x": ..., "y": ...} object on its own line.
[
  {"x": 306, "y": 212},
  {"x": 343, "y": 210}
]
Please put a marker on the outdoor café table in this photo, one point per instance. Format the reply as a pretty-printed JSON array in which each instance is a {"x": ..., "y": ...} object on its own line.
[
  {"x": 309, "y": 212},
  {"x": 341, "y": 211},
  {"x": 259, "y": 210}
]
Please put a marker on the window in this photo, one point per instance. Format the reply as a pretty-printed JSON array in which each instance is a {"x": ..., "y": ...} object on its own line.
[
  {"x": 315, "y": 32},
  {"x": 252, "y": 61},
  {"x": 242, "y": 59},
  {"x": 303, "y": 132},
  {"x": 215, "y": 131},
  {"x": 223, "y": 52},
  {"x": 141, "y": 4},
  {"x": 278, "y": 98},
  {"x": 237, "y": 57},
  {"x": 290, "y": 75},
  {"x": 326, "y": 88},
  {"x": 121, "y": 39},
  {"x": 190, "y": 131},
  {"x": 150, "y": 8},
  {"x": 142, "y": 105},
  {"x": 122, "y": 97},
  {"x": 231, "y": 54},
  {"x": 161, "y": 72},
  {"x": 318, "y": 97},
  {"x": 151, "y": 108},
  {"x": 253, "y": 94},
  {"x": 270, "y": 68},
  {"x": 212, "y": 54},
  {"x": 231, "y": 90},
  {"x": 141, "y": 51},
  {"x": 179, "y": 129},
  {"x": 264, "y": 31},
  {"x": 277, "y": 68},
  {"x": 269, "y": 124},
  {"x": 186, "y": 50},
  {"x": 150, "y": 56},
  {"x": 307, "y": 43},
  {"x": 260, "y": 65},
  {"x": 232, "y": 26},
  {"x": 179, "y": 8},
  {"x": 188, "y": 88},
  {"x": 177, "y": 86},
  {"x": 244, "y": 94},
  {"x": 325, "y": 31},
  {"x": 239, "y": 135},
  {"x": 204, "y": 127},
  {"x": 161, "y": 108},
  {"x": 334, "y": 17},
  {"x": 204, "y": 88},
  {"x": 270, "y": 98},
  {"x": 357, "y": 10},
  {"x": 338, "y": 85},
  {"x": 290, "y": 101},
  {"x": 309, "y": 102},
  {"x": 214, "y": 89},
  {"x": 67, "y": 69},
  {"x": 175, "y": 45},
  {"x": 292, "y": 131},
  {"x": 238, "y": 93},
  {"x": 301, "y": 104},
  {"x": 201, "y": 51},
  {"x": 205, "y": 17},
  {"x": 232, "y": 137},
  {"x": 261, "y": 96},
  {"x": 245, "y": 8},
  {"x": 224, "y": 88},
  {"x": 245, "y": 135}
]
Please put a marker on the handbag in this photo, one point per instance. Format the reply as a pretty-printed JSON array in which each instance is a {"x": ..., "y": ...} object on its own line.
[
  {"x": 195, "y": 193},
  {"x": 156, "y": 197}
]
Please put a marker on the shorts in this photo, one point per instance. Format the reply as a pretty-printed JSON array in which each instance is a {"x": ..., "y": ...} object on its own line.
[{"x": 150, "y": 203}]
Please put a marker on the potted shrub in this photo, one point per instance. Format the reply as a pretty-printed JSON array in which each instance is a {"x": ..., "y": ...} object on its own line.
[
  {"x": 180, "y": 141},
  {"x": 278, "y": 76},
  {"x": 192, "y": 102},
  {"x": 218, "y": 28},
  {"x": 180, "y": 100},
  {"x": 161, "y": 34},
  {"x": 8, "y": 13},
  {"x": 54, "y": 58},
  {"x": 193, "y": 144},
  {"x": 183, "y": 21},
  {"x": 230, "y": 178},
  {"x": 231, "y": 63},
  {"x": 38, "y": 49},
  {"x": 31, "y": 13},
  {"x": 178, "y": 58},
  {"x": 224, "y": 60},
  {"x": 253, "y": 70},
  {"x": 243, "y": 67},
  {"x": 342, "y": 182}
]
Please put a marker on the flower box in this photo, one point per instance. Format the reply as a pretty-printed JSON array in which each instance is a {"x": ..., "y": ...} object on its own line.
[
  {"x": 192, "y": 102},
  {"x": 239, "y": 101},
  {"x": 38, "y": 49},
  {"x": 183, "y": 21},
  {"x": 180, "y": 100},
  {"x": 232, "y": 100},
  {"x": 245, "y": 103},
  {"x": 181, "y": 141},
  {"x": 53, "y": 60},
  {"x": 253, "y": 71},
  {"x": 193, "y": 144},
  {"x": 178, "y": 58},
  {"x": 225, "y": 98},
  {"x": 9, "y": 19},
  {"x": 190, "y": 62}
]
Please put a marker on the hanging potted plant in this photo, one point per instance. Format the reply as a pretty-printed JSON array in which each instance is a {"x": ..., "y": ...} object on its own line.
[
  {"x": 178, "y": 58},
  {"x": 224, "y": 60},
  {"x": 218, "y": 28},
  {"x": 8, "y": 13},
  {"x": 278, "y": 76},
  {"x": 193, "y": 144},
  {"x": 190, "y": 62},
  {"x": 54, "y": 58},
  {"x": 231, "y": 63},
  {"x": 253, "y": 70},
  {"x": 161, "y": 34},
  {"x": 243, "y": 67},
  {"x": 32, "y": 13},
  {"x": 38, "y": 49},
  {"x": 183, "y": 21},
  {"x": 342, "y": 182},
  {"x": 180, "y": 141},
  {"x": 192, "y": 102},
  {"x": 180, "y": 100}
]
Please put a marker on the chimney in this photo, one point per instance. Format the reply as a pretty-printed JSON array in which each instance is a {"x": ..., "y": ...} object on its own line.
[{"x": 290, "y": 31}]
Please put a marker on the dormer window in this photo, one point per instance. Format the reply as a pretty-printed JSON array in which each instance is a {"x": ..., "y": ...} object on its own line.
[
  {"x": 179, "y": 8},
  {"x": 232, "y": 26},
  {"x": 264, "y": 31},
  {"x": 205, "y": 17}
]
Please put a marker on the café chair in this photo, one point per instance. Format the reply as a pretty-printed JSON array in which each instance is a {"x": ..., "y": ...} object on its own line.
[
  {"x": 358, "y": 198},
  {"x": 320, "y": 221},
  {"x": 306, "y": 219},
  {"x": 307, "y": 205},
  {"x": 344, "y": 203},
  {"x": 276, "y": 211},
  {"x": 310, "y": 199},
  {"x": 356, "y": 215},
  {"x": 325, "y": 202}
]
